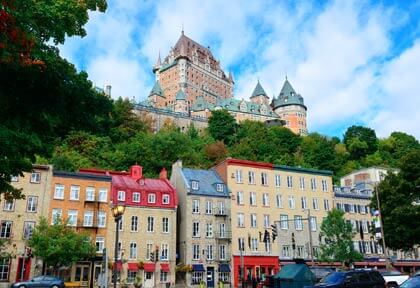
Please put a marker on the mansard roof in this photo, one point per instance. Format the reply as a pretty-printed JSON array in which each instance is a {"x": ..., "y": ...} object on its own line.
[
  {"x": 259, "y": 91},
  {"x": 207, "y": 181},
  {"x": 288, "y": 96},
  {"x": 237, "y": 105},
  {"x": 156, "y": 90}
]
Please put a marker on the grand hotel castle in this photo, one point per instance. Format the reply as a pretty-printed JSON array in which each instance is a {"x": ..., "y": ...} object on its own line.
[{"x": 190, "y": 84}]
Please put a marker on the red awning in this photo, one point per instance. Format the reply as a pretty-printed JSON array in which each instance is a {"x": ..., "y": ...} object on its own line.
[
  {"x": 164, "y": 267},
  {"x": 119, "y": 266},
  {"x": 149, "y": 267},
  {"x": 133, "y": 267}
]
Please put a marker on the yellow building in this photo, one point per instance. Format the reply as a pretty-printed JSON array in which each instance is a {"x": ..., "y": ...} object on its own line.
[
  {"x": 266, "y": 195},
  {"x": 18, "y": 218}
]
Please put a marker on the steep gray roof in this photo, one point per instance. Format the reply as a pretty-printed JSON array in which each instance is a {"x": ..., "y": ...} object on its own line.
[
  {"x": 258, "y": 91},
  {"x": 180, "y": 95},
  {"x": 288, "y": 96},
  {"x": 207, "y": 182},
  {"x": 157, "y": 90}
]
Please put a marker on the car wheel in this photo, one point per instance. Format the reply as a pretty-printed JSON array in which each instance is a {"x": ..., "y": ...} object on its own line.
[
  {"x": 392, "y": 285},
  {"x": 55, "y": 286},
  {"x": 22, "y": 286}
]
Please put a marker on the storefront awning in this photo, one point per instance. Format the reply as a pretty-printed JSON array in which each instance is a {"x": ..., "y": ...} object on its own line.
[
  {"x": 149, "y": 267},
  {"x": 133, "y": 267},
  {"x": 117, "y": 266},
  {"x": 198, "y": 268},
  {"x": 164, "y": 267},
  {"x": 224, "y": 268}
]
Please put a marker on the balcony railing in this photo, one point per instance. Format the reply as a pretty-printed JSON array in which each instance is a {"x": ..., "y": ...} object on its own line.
[
  {"x": 223, "y": 235},
  {"x": 221, "y": 212}
]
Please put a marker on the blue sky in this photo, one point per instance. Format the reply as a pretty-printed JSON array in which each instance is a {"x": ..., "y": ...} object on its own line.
[{"x": 354, "y": 62}]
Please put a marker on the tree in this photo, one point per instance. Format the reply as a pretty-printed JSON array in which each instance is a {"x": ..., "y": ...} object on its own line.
[
  {"x": 60, "y": 245},
  {"x": 360, "y": 141},
  {"x": 338, "y": 235},
  {"x": 399, "y": 196},
  {"x": 222, "y": 126},
  {"x": 42, "y": 96}
]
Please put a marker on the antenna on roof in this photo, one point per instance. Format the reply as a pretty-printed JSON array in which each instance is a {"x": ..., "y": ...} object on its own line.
[{"x": 182, "y": 31}]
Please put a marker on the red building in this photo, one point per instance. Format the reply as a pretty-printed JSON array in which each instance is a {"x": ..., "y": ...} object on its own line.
[{"x": 147, "y": 242}]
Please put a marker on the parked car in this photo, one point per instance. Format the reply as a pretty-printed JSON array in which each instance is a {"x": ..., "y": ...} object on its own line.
[
  {"x": 413, "y": 282},
  {"x": 352, "y": 279},
  {"x": 320, "y": 272},
  {"x": 44, "y": 281},
  {"x": 394, "y": 278}
]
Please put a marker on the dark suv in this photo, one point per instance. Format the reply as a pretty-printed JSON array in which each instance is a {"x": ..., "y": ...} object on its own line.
[{"x": 353, "y": 279}]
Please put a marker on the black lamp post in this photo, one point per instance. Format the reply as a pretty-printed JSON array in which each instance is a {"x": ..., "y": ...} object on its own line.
[{"x": 117, "y": 212}]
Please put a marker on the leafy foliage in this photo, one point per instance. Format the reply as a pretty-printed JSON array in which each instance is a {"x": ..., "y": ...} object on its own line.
[
  {"x": 60, "y": 245},
  {"x": 222, "y": 126},
  {"x": 338, "y": 235},
  {"x": 399, "y": 196},
  {"x": 360, "y": 141}
]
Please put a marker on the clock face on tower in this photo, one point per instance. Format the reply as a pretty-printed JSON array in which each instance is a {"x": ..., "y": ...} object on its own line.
[{"x": 141, "y": 181}]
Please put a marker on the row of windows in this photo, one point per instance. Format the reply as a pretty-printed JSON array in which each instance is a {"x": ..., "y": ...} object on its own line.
[
  {"x": 284, "y": 221},
  {"x": 163, "y": 250},
  {"x": 31, "y": 204},
  {"x": 89, "y": 219},
  {"x": 136, "y": 197},
  {"x": 35, "y": 178},
  {"x": 208, "y": 252},
  {"x": 279, "y": 201},
  {"x": 134, "y": 224},
  {"x": 90, "y": 193},
  {"x": 209, "y": 231},
  {"x": 210, "y": 208},
  {"x": 195, "y": 186},
  {"x": 277, "y": 180},
  {"x": 353, "y": 208},
  {"x": 6, "y": 229}
]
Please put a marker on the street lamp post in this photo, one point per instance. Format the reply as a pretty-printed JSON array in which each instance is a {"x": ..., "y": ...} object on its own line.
[
  {"x": 117, "y": 212},
  {"x": 311, "y": 254}
]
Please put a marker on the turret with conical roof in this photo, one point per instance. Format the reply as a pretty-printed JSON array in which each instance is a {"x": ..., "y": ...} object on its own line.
[
  {"x": 290, "y": 106},
  {"x": 258, "y": 95},
  {"x": 156, "y": 95},
  {"x": 180, "y": 102}
]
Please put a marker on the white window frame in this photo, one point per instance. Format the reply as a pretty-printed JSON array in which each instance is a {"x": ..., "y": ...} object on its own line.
[
  {"x": 327, "y": 205},
  {"x": 72, "y": 218},
  {"x": 151, "y": 198},
  {"x": 222, "y": 252},
  {"x": 166, "y": 199},
  {"x": 6, "y": 229},
  {"x": 136, "y": 197},
  {"x": 298, "y": 223},
  {"x": 196, "y": 251},
  {"x": 57, "y": 214},
  {"x": 313, "y": 184},
  {"x": 150, "y": 224},
  {"x": 302, "y": 183},
  {"x": 35, "y": 177},
  {"x": 284, "y": 222},
  {"x": 101, "y": 219},
  {"x": 209, "y": 207},
  {"x": 164, "y": 252},
  {"x": 90, "y": 193},
  {"x": 74, "y": 192},
  {"x": 88, "y": 219},
  {"x": 121, "y": 195},
  {"x": 194, "y": 185},
  {"x": 313, "y": 224},
  {"x": 277, "y": 180},
  {"x": 324, "y": 185},
  {"x": 196, "y": 229},
  {"x": 165, "y": 225},
  {"x": 240, "y": 198},
  {"x": 59, "y": 191},
  {"x": 32, "y": 204},
  {"x": 315, "y": 203},
  {"x": 219, "y": 187},
  {"x": 253, "y": 218},
  {"x": 251, "y": 177},
  {"x": 289, "y": 181},
  {"x": 254, "y": 244},
  {"x": 264, "y": 179},
  {"x": 266, "y": 220},
  {"x": 304, "y": 202},
  {"x": 134, "y": 223},
  {"x": 101, "y": 193},
  {"x": 279, "y": 201},
  {"x": 133, "y": 251},
  {"x": 209, "y": 230},
  {"x": 196, "y": 206},
  {"x": 252, "y": 198},
  {"x": 291, "y": 202},
  {"x": 240, "y": 220},
  {"x": 238, "y": 176},
  {"x": 265, "y": 199},
  {"x": 9, "y": 205}
]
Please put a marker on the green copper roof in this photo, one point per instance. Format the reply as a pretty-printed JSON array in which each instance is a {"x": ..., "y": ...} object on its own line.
[
  {"x": 157, "y": 90},
  {"x": 258, "y": 91},
  {"x": 201, "y": 104},
  {"x": 180, "y": 95},
  {"x": 288, "y": 96}
]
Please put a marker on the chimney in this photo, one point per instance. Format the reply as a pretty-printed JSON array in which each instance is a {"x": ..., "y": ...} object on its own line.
[
  {"x": 108, "y": 90},
  {"x": 163, "y": 174},
  {"x": 136, "y": 172}
]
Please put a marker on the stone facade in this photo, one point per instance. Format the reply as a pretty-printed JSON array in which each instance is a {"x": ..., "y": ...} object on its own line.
[
  {"x": 18, "y": 218},
  {"x": 204, "y": 234},
  {"x": 266, "y": 195}
]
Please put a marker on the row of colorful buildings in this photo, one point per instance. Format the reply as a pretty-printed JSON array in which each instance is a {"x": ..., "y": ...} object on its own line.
[{"x": 198, "y": 226}]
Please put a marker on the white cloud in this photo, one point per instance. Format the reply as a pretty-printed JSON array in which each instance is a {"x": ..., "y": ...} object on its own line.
[
  {"x": 400, "y": 99},
  {"x": 332, "y": 54}
]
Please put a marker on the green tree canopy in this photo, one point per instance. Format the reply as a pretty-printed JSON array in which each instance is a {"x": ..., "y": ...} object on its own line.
[
  {"x": 222, "y": 126},
  {"x": 60, "y": 245},
  {"x": 399, "y": 196},
  {"x": 338, "y": 239},
  {"x": 360, "y": 141}
]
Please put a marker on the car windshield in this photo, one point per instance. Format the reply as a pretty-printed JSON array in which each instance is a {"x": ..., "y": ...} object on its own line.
[
  {"x": 411, "y": 283},
  {"x": 335, "y": 277}
]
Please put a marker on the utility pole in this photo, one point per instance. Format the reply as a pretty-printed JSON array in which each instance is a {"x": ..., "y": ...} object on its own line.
[
  {"x": 311, "y": 254},
  {"x": 382, "y": 227}
]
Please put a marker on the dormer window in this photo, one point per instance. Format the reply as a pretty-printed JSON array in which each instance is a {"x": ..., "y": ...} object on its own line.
[
  {"x": 121, "y": 195},
  {"x": 219, "y": 187},
  {"x": 194, "y": 185},
  {"x": 151, "y": 198},
  {"x": 165, "y": 199}
]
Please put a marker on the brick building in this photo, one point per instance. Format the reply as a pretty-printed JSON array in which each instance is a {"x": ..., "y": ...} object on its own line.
[
  {"x": 18, "y": 218},
  {"x": 82, "y": 199}
]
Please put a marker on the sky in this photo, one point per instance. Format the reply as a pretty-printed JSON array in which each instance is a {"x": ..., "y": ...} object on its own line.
[{"x": 354, "y": 62}]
